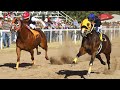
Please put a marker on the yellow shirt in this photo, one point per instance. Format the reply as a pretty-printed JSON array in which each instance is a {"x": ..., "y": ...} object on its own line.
[{"x": 86, "y": 23}]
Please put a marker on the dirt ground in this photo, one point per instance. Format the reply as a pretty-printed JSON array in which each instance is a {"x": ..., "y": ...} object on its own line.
[{"x": 45, "y": 70}]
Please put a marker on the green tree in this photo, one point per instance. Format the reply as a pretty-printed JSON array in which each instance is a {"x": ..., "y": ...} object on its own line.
[{"x": 80, "y": 15}]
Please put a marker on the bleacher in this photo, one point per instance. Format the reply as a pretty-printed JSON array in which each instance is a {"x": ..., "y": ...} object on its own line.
[{"x": 39, "y": 14}]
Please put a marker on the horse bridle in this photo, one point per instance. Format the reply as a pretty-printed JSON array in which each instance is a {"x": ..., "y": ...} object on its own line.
[
  {"x": 87, "y": 32},
  {"x": 15, "y": 26}
]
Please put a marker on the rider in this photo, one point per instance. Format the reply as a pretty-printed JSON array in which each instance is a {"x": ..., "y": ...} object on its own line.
[
  {"x": 31, "y": 20},
  {"x": 97, "y": 24}
]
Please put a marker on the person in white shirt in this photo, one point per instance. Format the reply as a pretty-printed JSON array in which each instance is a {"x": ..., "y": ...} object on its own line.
[{"x": 31, "y": 21}]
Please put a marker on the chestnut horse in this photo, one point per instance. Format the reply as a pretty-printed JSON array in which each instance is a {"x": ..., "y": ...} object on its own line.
[
  {"x": 28, "y": 39},
  {"x": 92, "y": 45}
]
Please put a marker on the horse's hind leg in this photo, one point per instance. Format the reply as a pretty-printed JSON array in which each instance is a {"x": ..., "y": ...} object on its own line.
[
  {"x": 43, "y": 43},
  {"x": 38, "y": 53},
  {"x": 18, "y": 51},
  {"x": 44, "y": 46},
  {"x": 108, "y": 60},
  {"x": 32, "y": 56},
  {"x": 99, "y": 58}
]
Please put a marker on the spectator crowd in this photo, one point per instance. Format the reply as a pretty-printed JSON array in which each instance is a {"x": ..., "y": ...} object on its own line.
[{"x": 51, "y": 22}]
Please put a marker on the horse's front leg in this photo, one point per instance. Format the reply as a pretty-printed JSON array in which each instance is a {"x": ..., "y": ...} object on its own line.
[
  {"x": 80, "y": 53},
  {"x": 18, "y": 51},
  {"x": 32, "y": 56},
  {"x": 91, "y": 62}
]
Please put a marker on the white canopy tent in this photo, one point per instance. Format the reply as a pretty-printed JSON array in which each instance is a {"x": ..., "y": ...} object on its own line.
[{"x": 115, "y": 19}]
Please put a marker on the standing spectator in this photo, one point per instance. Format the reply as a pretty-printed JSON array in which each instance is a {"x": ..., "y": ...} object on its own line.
[
  {"x": 48, "y": 26},
  {"x": 43, "y": 17},
  {"x": 6, "y": 35},
  {"x": 75, "y": 23},
  {"x": 5, "y": 16},
  {"x": 6, "y": 39},
  {"x": 49, "y": 19},
  {"x": 1, "y": 22},
  {"x": 11, "y": 15}
]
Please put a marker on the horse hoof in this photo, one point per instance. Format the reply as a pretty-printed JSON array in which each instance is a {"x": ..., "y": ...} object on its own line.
[
  {"x": 47, "y": 58},
  {"x": 103, "y": 63},
  {"x": 16, "y": 68},
  {"x": 88, "y": 74},
  {"x": 32, "y": 64},
  {"x": 73, "y": 62},
  {"x": 38, "y": 53}
]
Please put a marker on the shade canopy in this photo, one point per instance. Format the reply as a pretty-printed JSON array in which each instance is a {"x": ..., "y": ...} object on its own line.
[{"x": 105, "y": 17}]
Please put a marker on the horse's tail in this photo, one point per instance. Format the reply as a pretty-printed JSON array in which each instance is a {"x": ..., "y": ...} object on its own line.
[
  {"x": 43, "y": 39},
  {"x": 43, "y": 43},
  {"x": 108, "y": 42},
  {"x": 107, "y": 38}
]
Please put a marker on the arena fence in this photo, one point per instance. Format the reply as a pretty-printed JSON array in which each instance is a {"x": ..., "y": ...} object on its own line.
[{"x": 58, "y": 35}]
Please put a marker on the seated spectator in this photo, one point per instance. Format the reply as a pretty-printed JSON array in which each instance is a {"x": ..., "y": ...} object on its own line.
[
  {"x": 48, "y": 21},
  {"x": 63, "y": 24}
]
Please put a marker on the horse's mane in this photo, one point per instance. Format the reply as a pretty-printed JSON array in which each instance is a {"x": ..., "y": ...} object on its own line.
[
  {"x": 24, "y": 24},
  {"x": 91, "y": 33},
  {"x": 91, "y": 37}
]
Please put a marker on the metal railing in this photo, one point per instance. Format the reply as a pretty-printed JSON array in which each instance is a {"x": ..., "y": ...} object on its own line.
[
  {"x": 58, "y": 35},
  {"x": 67, "y": 17}
]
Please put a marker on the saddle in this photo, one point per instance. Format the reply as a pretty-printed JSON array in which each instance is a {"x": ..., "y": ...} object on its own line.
[{"x": 34, "y": 31}]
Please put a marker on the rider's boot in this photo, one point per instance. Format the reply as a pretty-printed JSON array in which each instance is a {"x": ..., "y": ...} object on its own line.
[{"x": 101, "y": 38}]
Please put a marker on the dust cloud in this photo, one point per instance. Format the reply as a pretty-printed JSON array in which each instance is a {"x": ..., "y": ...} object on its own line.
[{"x": 66, "y": 54}]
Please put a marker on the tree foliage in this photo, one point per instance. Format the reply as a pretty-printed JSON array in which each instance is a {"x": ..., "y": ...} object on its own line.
[{"x": 80, "y": 15}]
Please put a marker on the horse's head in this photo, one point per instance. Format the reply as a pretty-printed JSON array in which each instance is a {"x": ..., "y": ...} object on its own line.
[
  {"x": 86, "y": 27},
  {"x": 15, "y": 24}
]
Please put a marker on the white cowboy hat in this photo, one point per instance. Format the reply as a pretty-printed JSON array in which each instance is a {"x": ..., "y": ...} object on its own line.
[{"x": 1, "y": 15}]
